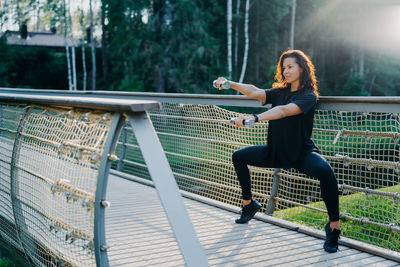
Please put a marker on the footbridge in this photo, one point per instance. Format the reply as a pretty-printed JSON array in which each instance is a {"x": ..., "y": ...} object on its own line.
[{"x": 145, "y": 179}]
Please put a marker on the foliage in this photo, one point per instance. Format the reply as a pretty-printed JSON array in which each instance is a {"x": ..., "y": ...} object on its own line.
[
  {"x": 6, "y": 262},
  {"x": 19, "y": 67},
  {"x": 181, "y": 45},
  {"x": 355, "y": 86}
]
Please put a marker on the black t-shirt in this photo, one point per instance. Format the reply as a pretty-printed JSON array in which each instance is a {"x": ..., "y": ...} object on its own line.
[{"x": 289, "y": 139}]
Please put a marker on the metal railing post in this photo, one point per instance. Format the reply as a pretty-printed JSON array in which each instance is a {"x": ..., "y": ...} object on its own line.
[
  {"x": 167, "y": 189},
  {"x": 100, "y": 246},
  {"x": 274, "y": 192}
]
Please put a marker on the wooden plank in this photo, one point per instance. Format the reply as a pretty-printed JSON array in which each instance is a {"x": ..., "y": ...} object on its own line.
[
  {"x": 265, "y": 252},
  {"x": 367, "y": 261},
  {"x": 245, "y": 252},
  {"x": 385, "y": 263},
  {"x": 343, "y": 260},
  {"x": 320, "y": 255}
]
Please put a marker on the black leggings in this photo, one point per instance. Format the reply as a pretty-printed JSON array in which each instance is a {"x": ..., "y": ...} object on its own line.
[{"x": 312, "y": 165}]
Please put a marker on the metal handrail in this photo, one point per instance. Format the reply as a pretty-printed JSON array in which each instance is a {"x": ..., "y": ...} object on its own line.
[{"x": 346, "y": 103}]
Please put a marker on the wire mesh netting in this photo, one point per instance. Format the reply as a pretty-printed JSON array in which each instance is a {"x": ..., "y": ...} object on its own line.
[
  {"x": 53, "y": 181},
  {"x": 199, "y": 146},
  {"x": 362, "y": 148}
]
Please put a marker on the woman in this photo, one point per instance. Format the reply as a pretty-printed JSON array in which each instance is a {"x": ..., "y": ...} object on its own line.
[{"x": 293, "y": 97}]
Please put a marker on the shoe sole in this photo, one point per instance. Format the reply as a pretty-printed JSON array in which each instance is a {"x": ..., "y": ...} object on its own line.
[{"x": 330, "y": 250}]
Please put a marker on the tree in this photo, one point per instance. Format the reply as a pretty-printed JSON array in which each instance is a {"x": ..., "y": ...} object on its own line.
[
  {"x": 83, "y": 45},
  {"x": 237, "y": 16},
  {"x": 70, "y": 84},
  {"x": 293, "y": 24},
  {"x": 92, "y": 46},
  {"x": 229, "y": 39},
  {"x": 246, "y": 48},
  {"x": 183, "y": 45},
  {"x": 104, "y": 42}
]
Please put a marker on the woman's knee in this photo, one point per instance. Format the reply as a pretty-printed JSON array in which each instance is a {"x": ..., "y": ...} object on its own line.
[
  {"x": 320, "y": 168},
  {"x": 236, "y": 157},
  {"x": 324, "y": 172}
]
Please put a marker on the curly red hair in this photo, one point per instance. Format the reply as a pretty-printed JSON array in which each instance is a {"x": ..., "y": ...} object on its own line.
[{"x": 307, "y": 77}]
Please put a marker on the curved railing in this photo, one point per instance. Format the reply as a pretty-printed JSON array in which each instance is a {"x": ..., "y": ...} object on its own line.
[{"x": 56, "y": 153}]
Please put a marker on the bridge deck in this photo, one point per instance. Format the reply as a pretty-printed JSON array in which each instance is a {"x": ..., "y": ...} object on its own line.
[{"x": 138, "y": 233}]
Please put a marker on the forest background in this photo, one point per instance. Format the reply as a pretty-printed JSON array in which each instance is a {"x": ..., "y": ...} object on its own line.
[{"x": 181, "y": 46}]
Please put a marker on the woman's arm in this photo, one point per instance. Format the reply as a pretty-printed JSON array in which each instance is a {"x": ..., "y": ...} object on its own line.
[
  {"x": 280, "y": 112},
  {"x": 246, "y": 89},
  {"x": 275, "y": 113},
  {"x": 249, "y": 90}
]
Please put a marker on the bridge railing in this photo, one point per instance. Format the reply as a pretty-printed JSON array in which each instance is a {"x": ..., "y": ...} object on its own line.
[
  {"x": 56, "y": 153},
  {"x": 358, "y": 136}
]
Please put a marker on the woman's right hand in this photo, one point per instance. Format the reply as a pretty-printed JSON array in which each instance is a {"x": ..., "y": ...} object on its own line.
[
  {"x": 239, "y": 121},
  {"x": 220, "y": 81}
]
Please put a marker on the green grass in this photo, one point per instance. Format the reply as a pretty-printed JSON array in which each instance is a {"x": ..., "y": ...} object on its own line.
[{"x": 376, "y": 208}]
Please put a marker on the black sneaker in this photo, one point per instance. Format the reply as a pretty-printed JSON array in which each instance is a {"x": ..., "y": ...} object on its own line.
[
  {"x": 248, "y": 212},
  {"x": 331, "y": 241}
]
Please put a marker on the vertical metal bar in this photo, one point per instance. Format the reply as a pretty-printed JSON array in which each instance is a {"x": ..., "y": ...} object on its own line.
[
  {"x": 100, "y": 245},
  {"x": 167, "y": 189},
  {"x": 19, "y": 219},
  {"x": 274, "y": 192},
  {"x": 74, "y": 68},
  {"x": 122, "y": 156},
  {"x": 1, "y": 115}
]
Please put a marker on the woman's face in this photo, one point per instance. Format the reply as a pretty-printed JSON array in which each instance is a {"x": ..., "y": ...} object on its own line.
[{"x": 291, "y": 70}]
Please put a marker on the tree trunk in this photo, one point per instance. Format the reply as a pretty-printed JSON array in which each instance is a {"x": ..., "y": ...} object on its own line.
[
  {"x": 83, "y": 48},
  {"x": 158, "y": 13},
  {"x": 3, "y": 12},
  {"x": 104, "y": 44},
  {"x": 257, "y": 40},
  {"x": 68, "y": 66},
  {"x": 19, "y": 15},
  {"x": 293, "y": 24},
  {"x": 37, "y": 16},
  {"x": 361, "y": 61},
  {"x": 67, "y": 46},
  {"x": 372, "y": 83},
  {"x": 160, "y": 81},
  {"x": 92, "y": 45},
  {"x": 229, "y": 27},
  {"x": 276, "y": 50},
  {"x": 237, "y": 37},
  {"x": 84, "y": 66},
  {"x": 246, "y": 45},
  {"x": 74, "y": 68},
  {"x": 353, "y": 59},
  {"x": 69, "y": 33}
]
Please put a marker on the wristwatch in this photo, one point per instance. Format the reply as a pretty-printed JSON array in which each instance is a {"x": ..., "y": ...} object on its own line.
[{"x": 255, "y": 117}]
